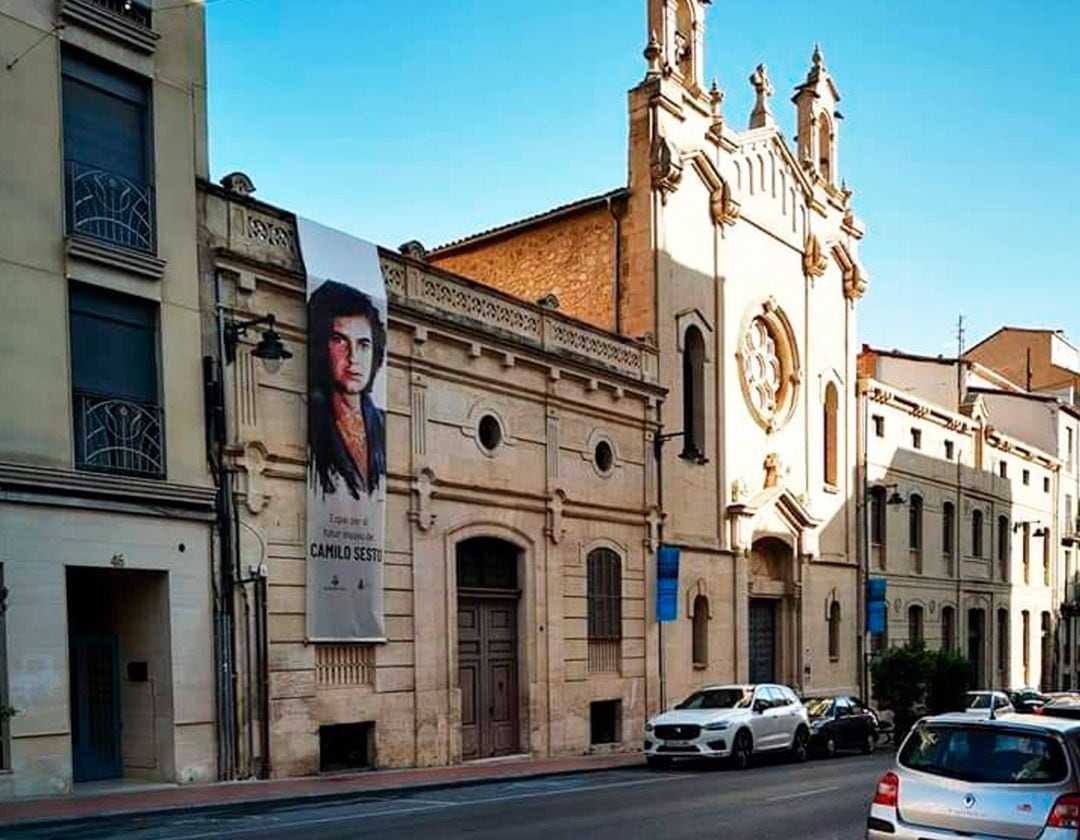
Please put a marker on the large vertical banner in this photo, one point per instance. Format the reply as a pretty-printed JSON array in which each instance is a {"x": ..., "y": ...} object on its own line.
[{"x": 346, "y": 452}]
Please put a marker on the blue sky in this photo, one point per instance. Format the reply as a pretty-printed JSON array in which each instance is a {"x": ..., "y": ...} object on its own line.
[{"x": 426, "y": 119}]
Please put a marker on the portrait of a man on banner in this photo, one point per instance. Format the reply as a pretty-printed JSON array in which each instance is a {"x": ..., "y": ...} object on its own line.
[{"x": 346, "y": 429}]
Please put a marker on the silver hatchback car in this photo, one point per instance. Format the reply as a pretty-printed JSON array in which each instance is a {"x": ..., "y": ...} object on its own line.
[{"x": 1015, "y": 776}]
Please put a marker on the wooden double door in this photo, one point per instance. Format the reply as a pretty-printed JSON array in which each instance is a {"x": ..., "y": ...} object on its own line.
[{"x": 488, "y": 671}]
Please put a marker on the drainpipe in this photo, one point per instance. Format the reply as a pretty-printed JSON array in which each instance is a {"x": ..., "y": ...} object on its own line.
[{"x": 617, "y": 208}]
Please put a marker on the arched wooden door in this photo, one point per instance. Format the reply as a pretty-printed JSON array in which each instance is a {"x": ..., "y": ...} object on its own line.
[{"x": 488, "y": 597}]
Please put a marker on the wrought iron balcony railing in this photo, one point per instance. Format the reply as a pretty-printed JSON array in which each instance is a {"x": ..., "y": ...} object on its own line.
[
  {"x": 106, "y": 206},
  {"x": 135, "y": 11},
  {"x": 117, "y": 435}
]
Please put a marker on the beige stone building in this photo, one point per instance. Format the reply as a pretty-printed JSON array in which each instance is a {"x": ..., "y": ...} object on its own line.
[
  {"x": 735, "y": 254},
  {"x": 106, "y": 506},
  {"x": 1047, "y": 365},
  {"x": 522, "y": 494},
  {"x": 961, "y": 515}
]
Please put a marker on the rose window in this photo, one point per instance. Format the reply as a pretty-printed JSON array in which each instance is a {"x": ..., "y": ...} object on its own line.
[
  {"x": 762, "y": 368},
  {"x": 769, "y": 366}
]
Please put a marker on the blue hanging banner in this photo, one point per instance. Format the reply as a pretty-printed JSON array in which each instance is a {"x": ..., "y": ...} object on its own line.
[
  {"x": 667, "y": 583},
  {"x": 877, "y": 607}
]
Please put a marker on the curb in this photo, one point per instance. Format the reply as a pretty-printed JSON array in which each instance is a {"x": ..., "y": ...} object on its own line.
[{"x": 269, "y": 800}]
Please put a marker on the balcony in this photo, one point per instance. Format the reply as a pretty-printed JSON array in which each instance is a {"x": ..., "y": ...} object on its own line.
[
  {"x": 126, "y": 21},
  {"x": 110, "y": 208},
  {"x": 117, "y": 435}
]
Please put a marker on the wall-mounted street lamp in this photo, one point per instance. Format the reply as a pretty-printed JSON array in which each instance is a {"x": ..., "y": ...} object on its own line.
[
  {"x": 1040, "y": 529},
  {"x": 270, "y": 348}
]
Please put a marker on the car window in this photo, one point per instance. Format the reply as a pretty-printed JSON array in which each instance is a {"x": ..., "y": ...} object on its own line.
[
  {"x": 989, "y": 755},
  {"x": 793, "y": 698},
  {"x": 978, "y": 701},
  {"x": 843, "y": 707},
  {"x": 1000, "y": 702},
  {"x": 777, "y": 697},
  {"x": 717, "y": 698}
]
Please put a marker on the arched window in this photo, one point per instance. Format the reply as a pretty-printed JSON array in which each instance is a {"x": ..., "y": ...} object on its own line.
[
  {"x": 976, "y": 533},
  {"x": 1003, "y": 641},
  {"x": 948, "y": 529},
  {"x": 915, "y": 508},
  {"x": 1027, "y": 553},
  {"x": 825, "y": 147},
  {"x": 701, "y": 631},
  {"x": 604, "y": 592},
  {"x": 877, "y": 523},
  {"x": 1046, "y": 555},
  {"x": 1025, "y": 644},
  {"x": 684, "y": 39},
  {"x": 693, "y": 385},
  {"x": 831, "y": 404},
  {"x": 834, "y": 631},
  {"x": 915, "y": 623},
  {"x": 948, "y": 628},
  {"x": 1003, "y": 546}
]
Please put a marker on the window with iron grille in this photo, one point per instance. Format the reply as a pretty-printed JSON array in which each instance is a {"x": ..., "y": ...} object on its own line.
[
  {"x": 108, "y": 193},
  {"x": 604, "y": 594},
  {"x": 119, "y": 426}
]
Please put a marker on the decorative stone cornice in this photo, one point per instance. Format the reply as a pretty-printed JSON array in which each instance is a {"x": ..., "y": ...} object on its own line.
[
  {"x": 814, "y": 261},
  {"x": 147, "y": 493},
  {"x": 855, "y": 279},
  {"x": 665, "y": 166},
  {"x": 96, "y": 17}
]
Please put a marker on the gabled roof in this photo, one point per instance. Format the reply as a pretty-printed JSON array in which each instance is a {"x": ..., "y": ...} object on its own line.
[
  {"x": 579, "y": 206},
  {"x": 1034, "y": 330}
]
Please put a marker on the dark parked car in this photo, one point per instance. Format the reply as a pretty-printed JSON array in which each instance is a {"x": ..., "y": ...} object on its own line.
[
  {"x": 1027, "y": 701},
  {"x": 1062, "y": 705},
  {"x": 841, "y": 723}
]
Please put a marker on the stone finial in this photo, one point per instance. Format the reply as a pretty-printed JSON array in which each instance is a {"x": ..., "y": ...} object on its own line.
[
  {"x": 817, "y": 58},
  {"x": 238, "y": 183},
  {"x": 762, "y": 115},
  {"x": 413, "y": 249},
  {"x": 772, "y": 469},
  {"x": 716, "y": 102},
  {"x": 652, "y": 56}
]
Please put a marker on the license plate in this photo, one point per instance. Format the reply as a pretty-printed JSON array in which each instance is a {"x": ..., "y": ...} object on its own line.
[{"x": 677, "y": 743}]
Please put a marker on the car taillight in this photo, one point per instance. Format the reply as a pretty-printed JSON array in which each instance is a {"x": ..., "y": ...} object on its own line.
[
  {"x": 888, "y": 790},
  {"x": 1066, "y": 812}
]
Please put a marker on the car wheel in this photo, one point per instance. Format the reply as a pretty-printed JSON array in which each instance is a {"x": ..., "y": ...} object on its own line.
[
  {"x": 800, "y": 745},
  {"x": 871, "y": 742},
  {"x": 741, "y": 750},
  {"x": 828, "y": 749},
  {"x": 657, "y": 761}
]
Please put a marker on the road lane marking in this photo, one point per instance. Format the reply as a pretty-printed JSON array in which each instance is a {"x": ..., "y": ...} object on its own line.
[
  {"x": 810, "y": 792},
  {"x": 435, "y": 805}
]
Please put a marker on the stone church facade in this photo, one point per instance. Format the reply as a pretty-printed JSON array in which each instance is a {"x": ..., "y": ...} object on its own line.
[{"x": 735, "y": 255}]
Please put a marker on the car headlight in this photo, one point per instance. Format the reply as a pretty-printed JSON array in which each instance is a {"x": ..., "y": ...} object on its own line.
[
  {"x": 648, "y": 726},
  {"x": 716, "y": 727},
  {"x": 817, "y": 724}
]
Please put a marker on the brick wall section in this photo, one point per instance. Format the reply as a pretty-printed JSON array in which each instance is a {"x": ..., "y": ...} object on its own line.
[{"x": 572, "y": 257}]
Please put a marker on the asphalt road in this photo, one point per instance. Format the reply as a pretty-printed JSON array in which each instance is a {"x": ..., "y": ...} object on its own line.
[{"x": 820, "y": 800}]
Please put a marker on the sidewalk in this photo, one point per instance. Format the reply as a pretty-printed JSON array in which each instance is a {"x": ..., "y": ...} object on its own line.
[{"x": 239, "y": 795}]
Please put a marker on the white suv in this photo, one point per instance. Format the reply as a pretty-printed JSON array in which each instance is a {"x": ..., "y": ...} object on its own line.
[{"x": 733, "y": 721}]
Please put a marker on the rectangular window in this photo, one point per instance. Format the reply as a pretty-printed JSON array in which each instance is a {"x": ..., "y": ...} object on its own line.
[
  {"x": 1070, "y": 525},
  {"x": 107, "y": 170},
  {"x": 948, "y": 450},
  {"x": 604, "y": 590},
  {"x": 1047, "y": 544},
  {"x": 879, "y": 426},
  {"x": 1046, "y": 484},
  {"x": 604, "y": 721},
  {"x": 1069, "y": 444},
  {"x": 1027, "y": 477},
  {"x": 1003, "y": 470},
  {"x": 346, "y": 746},
  {"x": 114, "y": 378},
  {"x": 916, "y": 439}
]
